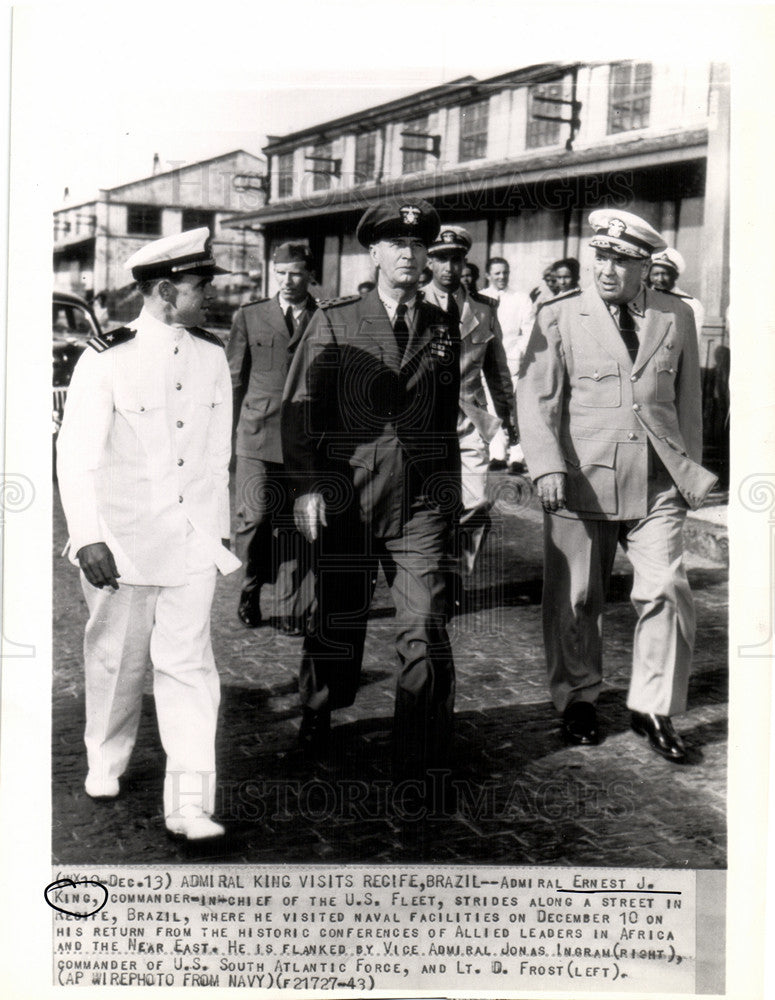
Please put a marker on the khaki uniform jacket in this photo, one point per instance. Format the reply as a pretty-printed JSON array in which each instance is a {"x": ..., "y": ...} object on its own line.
[
  {"x": 259, "y": 354},
  {"x": 482, "y": 353},
  {"x": 361, "y": 425},
  {"x": 586, "y": 410}
]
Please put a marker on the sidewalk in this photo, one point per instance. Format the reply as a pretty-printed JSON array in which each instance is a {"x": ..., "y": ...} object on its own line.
[{"x": 523, "y": 797}]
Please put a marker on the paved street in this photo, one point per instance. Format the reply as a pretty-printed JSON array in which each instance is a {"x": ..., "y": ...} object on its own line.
[{"x": 522, "y": 797}]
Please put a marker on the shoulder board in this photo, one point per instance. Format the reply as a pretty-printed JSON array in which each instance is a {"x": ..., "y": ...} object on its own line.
[
  {"x": 677, "y": 295},
  {"x": 344, "y": 300},
  {"x": 111, "y": 339},
  {"x": 559, "y": 298},
  {"x": 484, "y": 300},
  {"x": 257, "y": 302},
  {"x": 211, "y": 338}
]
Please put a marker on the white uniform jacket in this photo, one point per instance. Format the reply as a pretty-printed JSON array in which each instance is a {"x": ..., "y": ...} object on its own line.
[
  {"x": 144, "y": 451},
  {"x": 586, "y": 410}
]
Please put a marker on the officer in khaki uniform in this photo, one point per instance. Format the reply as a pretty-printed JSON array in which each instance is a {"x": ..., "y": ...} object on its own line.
[
  {"x": 481, "y": 354},
  {"x": 143, "y": 466},
  {"x": 263, "y": 338},
  {"x": 610, "y": 414},
  {"x": 369, "y": 438}
]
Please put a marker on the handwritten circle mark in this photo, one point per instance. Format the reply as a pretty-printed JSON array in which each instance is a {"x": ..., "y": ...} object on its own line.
[{"x": 68, "y": 883}]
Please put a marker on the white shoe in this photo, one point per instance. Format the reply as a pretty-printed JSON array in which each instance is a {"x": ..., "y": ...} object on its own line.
[
  {"x": 193, "y": 825},
  {"x": 100, "y": 788}
]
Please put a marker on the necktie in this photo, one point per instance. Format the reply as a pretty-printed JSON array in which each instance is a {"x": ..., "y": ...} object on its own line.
[
  {"x": 627, "y": 331},
  {"x": 400, "y": 329},
  {"x": 289, "y": 320},
  {"x": 453, "y": 310}
]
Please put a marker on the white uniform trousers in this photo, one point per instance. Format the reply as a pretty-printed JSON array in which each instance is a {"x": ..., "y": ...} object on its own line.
[
  {"x": 578, "y": 559},
  {"x": 474, "y": 522},
  {"x": 170, "y": 626}
]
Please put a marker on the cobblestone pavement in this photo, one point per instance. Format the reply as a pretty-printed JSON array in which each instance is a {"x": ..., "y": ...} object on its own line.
[{"x": 523, "y": 798}]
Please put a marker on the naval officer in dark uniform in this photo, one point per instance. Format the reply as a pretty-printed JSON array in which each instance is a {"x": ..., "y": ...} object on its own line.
[
  {"x": 263, "y": 338},
  {"x": 370, "y": 442}
]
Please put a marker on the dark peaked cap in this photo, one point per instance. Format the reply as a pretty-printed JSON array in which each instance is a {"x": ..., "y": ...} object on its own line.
[{"x": 398, "y": 217}]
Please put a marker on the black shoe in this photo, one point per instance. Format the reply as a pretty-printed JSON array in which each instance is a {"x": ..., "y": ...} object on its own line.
[
  {"x": 663, "y": 739},
  {"x": 290, "y": 625},
  {"x": 249, "y": 610},
  {"x": 579, "y": 724},
  {"x": 517, "y": 468},
  {"x": 496, "y": 464},
  {"x": 315, "y": 731}
]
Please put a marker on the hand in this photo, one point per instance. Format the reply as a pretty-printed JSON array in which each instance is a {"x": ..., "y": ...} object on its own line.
[
  {"x": 309, "y": 512},
  {"x": 551, "y": 490},
  {"x": 499, "y": 446},
  {"x": 226, "y": 543},
  {"x": 98, "y": 565}
]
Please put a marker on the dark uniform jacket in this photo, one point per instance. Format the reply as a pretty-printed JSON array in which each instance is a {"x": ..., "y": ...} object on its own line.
[
  {"x": 259, "y": 354},
  {"x": 587, "y": 410},
  {"x": 361, "y": 425}
]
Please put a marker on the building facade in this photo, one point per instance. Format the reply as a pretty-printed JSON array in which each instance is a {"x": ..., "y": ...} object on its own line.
[
  {"x": 93, "y": 240},
  {"x": 492, "y": 155}
]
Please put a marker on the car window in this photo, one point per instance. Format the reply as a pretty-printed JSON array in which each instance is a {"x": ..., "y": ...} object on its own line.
[{"x": 72, "y": 319}]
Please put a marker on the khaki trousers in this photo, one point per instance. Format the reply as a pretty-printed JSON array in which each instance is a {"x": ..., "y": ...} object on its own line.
[{"x": 578, "y": 558}]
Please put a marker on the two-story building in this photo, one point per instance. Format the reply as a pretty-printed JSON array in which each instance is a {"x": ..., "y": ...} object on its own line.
[
  {"x": 93, "y": 240},
  {"x": 495, "y": 156}
]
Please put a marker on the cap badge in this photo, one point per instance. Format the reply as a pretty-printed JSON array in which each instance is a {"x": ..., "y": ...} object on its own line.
[
  {"x": 410, "y": 215},
  {"x": 615, "y": 228},
  {"x": 447, "y": 236}
]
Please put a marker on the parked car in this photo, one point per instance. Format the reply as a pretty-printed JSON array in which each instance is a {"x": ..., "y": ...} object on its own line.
[{"x": 73, "y": 324}]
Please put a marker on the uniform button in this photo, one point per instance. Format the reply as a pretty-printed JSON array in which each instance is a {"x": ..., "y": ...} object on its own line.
[
  {"x": 633, "y": 378},
  {"x": 596, "y": 377},
  {"x": 180, "y": 499},
  {"x": 179, "y": 423},
  {"x": 180, "y": 461},
  {"x": 635, "y": 407},
  {"x": 175, "y": 351},
  {"x": 632, "y": 437},
  {"x": 178, "y": 385},
  {"x": 142, "y": 409}
]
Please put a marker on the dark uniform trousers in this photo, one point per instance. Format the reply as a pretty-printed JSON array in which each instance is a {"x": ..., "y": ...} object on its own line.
[
  {"x": 348, "y": 557},
  {"x": 266, "y": 541}
]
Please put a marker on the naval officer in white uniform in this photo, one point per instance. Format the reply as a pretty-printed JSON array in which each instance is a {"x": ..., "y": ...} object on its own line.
[{"x": 143, "y": 458}]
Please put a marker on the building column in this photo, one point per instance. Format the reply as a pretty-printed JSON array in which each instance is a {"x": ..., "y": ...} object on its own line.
[
  {"x": 715, "y": 274},
  {"x": 714, "y": 340}
]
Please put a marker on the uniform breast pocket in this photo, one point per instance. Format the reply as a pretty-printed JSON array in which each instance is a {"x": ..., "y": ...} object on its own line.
[
  {"x": 598, "y": 385},
  {"x": 666, "y": 371},
  {"x": 262, "y": 347},
  {"x": 139, "y": 405}
]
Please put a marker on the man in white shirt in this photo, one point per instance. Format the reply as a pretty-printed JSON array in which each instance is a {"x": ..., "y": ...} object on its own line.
[
  {"x": 515, "y": 314},
  {"x": 143, "y": 458}
]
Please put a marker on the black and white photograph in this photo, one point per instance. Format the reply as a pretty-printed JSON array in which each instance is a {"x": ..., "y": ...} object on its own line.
[{"x": 389, "y": 498}]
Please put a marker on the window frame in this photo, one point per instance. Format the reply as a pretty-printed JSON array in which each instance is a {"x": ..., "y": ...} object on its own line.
[
  {"x": 624, "y": 95},
  {"x": 284, "y": 176},
  {"x": 476, "y": 135},
  {"x": 364, "y": 176},
  {"x": 144, "y": 229},
  {"x": 420, "y": 123}
]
